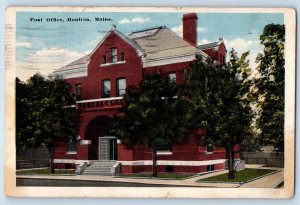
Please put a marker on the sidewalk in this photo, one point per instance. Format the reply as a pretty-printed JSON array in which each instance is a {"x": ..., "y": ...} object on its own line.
[{"x": 270, "y": 181}]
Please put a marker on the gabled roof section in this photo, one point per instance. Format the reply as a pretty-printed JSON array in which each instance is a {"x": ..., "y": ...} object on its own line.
[
  {"x": 161, "y": 43},
  {"x": 145, "y": 32},
  {"x": 121, "y": 35},
  {"x": 77, "y": 64},
  {"x": 212, "y": 45},
  {"x": 157, "y": 46}
]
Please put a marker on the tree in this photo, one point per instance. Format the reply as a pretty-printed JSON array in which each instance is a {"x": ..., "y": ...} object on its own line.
[
  {"x": 270, "y": 86},
  {"x": 153, "y": 115},
  {"x": 43, "y": 114},
  {"x": 219, "y": 103}
]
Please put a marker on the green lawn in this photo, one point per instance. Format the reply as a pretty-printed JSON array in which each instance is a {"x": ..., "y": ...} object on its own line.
[
  {"x": 240, "y": 176},
  {"x": 159, "y": 175},
  {"x": 45, "y": 171}
]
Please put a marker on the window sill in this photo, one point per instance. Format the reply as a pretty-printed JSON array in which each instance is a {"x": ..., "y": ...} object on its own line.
[
  {"x": 72, "y": 152},
  {"x": 164, "y": 153},
  {"x": 110, "y": 64},
  {"x": 209, "y": 153}
]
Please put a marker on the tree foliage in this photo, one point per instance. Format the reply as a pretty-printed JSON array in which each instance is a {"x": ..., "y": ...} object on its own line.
[
  {"x": 219, "y": 102},
  {"x": 153, "y": 115},
  {"x": 42, "y": 113},
  {"x": 270, "y": 86}
]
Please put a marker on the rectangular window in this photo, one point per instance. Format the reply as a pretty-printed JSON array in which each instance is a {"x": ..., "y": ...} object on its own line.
[
  {"x": 113, "y": 55},
  {"x": 210, "y": 168},
  {"x": 106, "y": 88},
  {"x": 209, "y": 149},
  {"x": 103, "y": 61},
  {"x": 72, "y": 146},
  {"x": 172, "y": 77},
  {"x": 77, "y": 91},
  {"x": 165, "y": 147},
  {"x": 121, "y": 86},
  {"x": 122, "y": 57}
]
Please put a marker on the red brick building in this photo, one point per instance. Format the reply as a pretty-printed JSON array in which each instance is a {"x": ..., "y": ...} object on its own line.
[{"x": 99, "y": 81}]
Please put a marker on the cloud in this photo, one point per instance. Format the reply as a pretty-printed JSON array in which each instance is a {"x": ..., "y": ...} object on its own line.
[
  {"x": 177, "y": 30},
  {"x": 241, "y": 45},
  {"x": 137, "y": 20},
  {"x": 124, "y": 21},
  {"x": 203, "y": 41},
  {"x": 23, "y": 44},
  {"x": 201, "y": 29},
  {"x": 46, "y": 61}
]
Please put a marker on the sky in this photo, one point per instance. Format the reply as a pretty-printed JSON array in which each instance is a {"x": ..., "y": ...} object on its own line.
[{"x": 44, "y": 46}]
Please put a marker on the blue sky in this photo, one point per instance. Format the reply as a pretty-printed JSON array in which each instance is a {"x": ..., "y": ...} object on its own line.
[{"x": 45, "y": 46}]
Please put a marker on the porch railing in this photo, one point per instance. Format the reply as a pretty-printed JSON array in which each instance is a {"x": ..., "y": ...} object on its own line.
[{"x": 99, "y": 104}]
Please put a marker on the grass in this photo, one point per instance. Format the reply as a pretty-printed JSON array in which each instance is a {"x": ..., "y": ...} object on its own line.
[
  {"x": 240, "y": 176},
  {"x": 159, "y": 175},
  {"x": 45, "y": 171}
]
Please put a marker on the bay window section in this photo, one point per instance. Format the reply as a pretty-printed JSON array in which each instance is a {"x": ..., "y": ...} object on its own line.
[{"x": 106, "y": 88}]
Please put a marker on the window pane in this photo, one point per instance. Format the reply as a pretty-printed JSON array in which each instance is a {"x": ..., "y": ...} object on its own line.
[
  {"x": 122, "y": 56},
  {"x": 77, "y": 91},
  {"x": 172, "y": 76},
  {"x": 106, "y": 88},
  {"x": 209, "y": 148},
  {"x": 103, "y": 59},
  {"x": 113, "y": 55},
  {"x": 121, "y": 86},
  {"x": 72, "y": 146},
  {"x": 165, "y": 147}
]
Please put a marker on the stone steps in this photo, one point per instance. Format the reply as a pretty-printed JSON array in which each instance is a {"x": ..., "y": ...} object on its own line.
[{"x": 99, "y": 168}]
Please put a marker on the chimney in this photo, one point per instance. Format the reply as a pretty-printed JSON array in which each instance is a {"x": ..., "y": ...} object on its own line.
[{"x": 189, "y": 25}]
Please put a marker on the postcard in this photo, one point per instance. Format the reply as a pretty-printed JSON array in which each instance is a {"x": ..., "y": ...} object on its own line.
[{"x": 144, "y": 102}]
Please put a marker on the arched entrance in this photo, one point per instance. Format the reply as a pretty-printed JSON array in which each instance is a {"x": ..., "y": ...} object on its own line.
[{"x": 103, "y": 144}]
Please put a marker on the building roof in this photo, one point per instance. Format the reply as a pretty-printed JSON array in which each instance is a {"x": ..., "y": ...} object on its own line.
[
  {"x": 154, "y": 45},
  {"x": 162, "y": 43},
  {"x": 121, "y": 35},
  {"x": 208, "y": 45},
  {"x": 77, "y": 64},
  {"x": 211, "y": 45}
]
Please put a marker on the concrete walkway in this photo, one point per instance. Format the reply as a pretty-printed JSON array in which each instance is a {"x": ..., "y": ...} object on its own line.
[
  {"x": 270, "y": 181},
  {"x": 189, "y": 183}
]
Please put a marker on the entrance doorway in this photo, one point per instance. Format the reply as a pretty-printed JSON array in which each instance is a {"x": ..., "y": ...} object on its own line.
[
  {"x": 100, "y": 127},
  {"x": 107, "y": 148}
]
